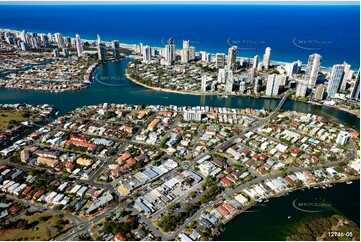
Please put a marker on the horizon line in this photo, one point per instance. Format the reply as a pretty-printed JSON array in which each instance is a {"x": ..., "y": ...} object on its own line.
[{"x": 185, "y": 2}]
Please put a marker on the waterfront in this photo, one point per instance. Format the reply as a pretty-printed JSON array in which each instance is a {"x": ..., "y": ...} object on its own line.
[
  {"x": 325, "y": 28},
  {"x": 330, "y": 28},
  {"x": 112, "y": 86},
  {"x": 269, "y": 221}
]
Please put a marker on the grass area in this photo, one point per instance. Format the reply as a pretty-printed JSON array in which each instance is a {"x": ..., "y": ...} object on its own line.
[
  {"x": 47, "y": 226},
  {"x": 8, "y": 118}
]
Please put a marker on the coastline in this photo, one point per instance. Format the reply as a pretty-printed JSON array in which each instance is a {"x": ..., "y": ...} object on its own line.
[{"x": 213, "y": 54}]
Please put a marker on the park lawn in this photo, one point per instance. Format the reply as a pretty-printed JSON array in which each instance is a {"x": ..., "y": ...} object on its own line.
[
  {"x": 7, "y": 116},
  {"x": 46, "y": 230}
]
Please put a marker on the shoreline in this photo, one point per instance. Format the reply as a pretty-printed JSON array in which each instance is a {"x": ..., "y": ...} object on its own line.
[
  {"x": 213, "y": 54},
  {"x": 192, "y": 93},
  {"x": 283, "y": 194},
  {"x": 220, "y": 95}
]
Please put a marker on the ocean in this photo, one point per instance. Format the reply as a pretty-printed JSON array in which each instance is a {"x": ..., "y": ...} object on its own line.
[{"x": 293, "y": 32}]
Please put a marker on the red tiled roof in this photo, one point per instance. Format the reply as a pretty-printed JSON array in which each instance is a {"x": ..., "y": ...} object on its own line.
[
  {"x": 225, "y": 181},
  {"x": 222, "y": 210},
  {"x": 228, "y": 206},
  {"x": 120, "y": 237}
]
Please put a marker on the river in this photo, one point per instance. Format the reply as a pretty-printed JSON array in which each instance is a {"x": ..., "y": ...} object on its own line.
[
  {"x": 269, "y": 221},
  {"x": 121, "y": 90}
]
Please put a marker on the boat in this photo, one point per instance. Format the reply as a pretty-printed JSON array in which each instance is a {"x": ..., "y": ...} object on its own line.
[
  {"x": 289, "y": 217},
  {"x": 266, "y": 200},
  {"x": 323, "y": 187},
  {"x": 330, "y": 185},
  {"x": 224, "y": 96},
  {"x": 349, "y": 182},
  {"x": 316, "y": 187}
]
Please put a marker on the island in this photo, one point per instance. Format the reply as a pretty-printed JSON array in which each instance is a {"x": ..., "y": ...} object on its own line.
[{"x": 335, "y": 227}]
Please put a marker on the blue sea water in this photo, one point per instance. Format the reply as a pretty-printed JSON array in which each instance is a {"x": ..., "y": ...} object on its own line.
[{"x": 332, "y": 31}]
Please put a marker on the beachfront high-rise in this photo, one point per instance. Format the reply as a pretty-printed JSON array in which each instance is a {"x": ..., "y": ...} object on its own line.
[
  {"x": 45, "y": 40},
  {"x": 101, "y": 49},
  {"x": 347, "y": 75},
  {"x": 192, "y": 53},
  {"x": 147, "y": 54},
  {"x": 24, "y": 46},
  {"x": 59, "y": 40},
  {"x": 255, "y": 61},
  {"x": 169, "y": 52},
  {"x": 335, "y": 80},
  {"x": 312, "y": 70},
  {"x": 293, "y": 68},
  {"x": 35, "y": 42},
  {"x": 24, "y": 36},
  {"x": 185, "y": 52},
  {"x": 267, "y": 58},
  {"x": 231, "y": 58},
  {"x": 116, "y": 48},
  {"x": 355, "y": 94},
  {"x": 220, "y": 60},
  {"x": 204, "y": 56},
  {"x": 79, "y": 45},
  {"x": 273, "y": 84}
]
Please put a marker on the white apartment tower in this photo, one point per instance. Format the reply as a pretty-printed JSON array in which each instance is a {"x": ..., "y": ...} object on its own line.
[
  {"x": 335, "y": 80},
  {"x": 185, "y": 52},
  {"x": 79, "y": 45},
  {"x": 231, "y": 58},
  {"x": 220, "y": 60},
  {"x": 312, "y": 70},
  {"x": 147, "y": 54},
  {"x": 267, "y": 58},
  {"x": 169, "y": 52},
  {"x": 59, "y": 40},
  {"x": 301, "y": 88},
  {"x": 346, "y": 76},
  {"x": 255, "y": 61},
  {"x": 272, "y": 87}
]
